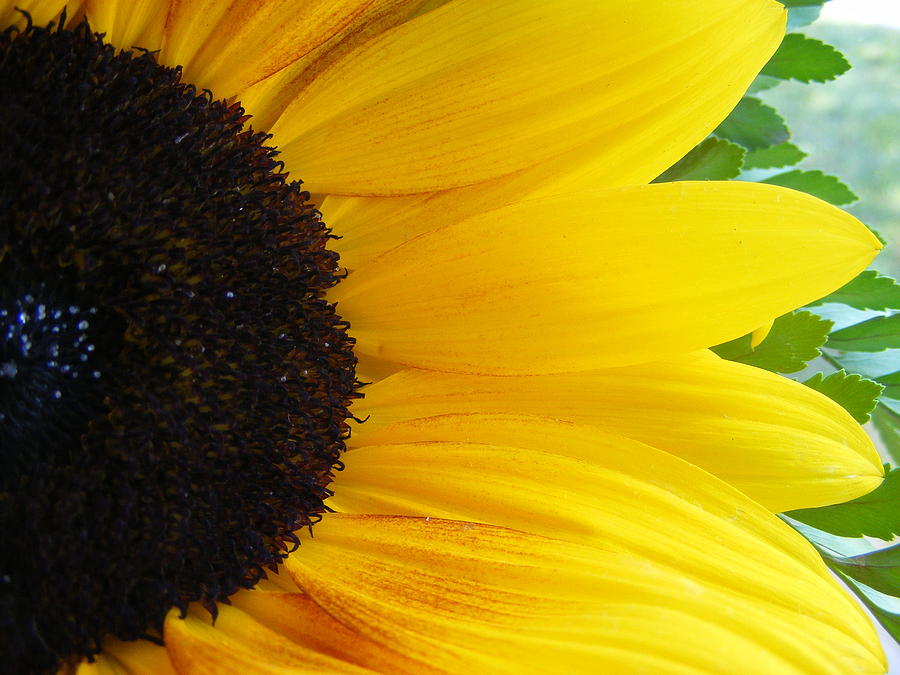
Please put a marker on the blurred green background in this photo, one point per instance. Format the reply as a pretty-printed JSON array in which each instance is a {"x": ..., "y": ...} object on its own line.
[{"x": 850, "y": 126}]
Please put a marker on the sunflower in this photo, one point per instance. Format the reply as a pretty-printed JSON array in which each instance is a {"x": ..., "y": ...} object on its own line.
[{"x": 469, "y": 425}]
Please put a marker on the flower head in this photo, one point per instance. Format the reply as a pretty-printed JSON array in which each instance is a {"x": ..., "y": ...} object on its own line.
[{"x": 549, "y": 473}]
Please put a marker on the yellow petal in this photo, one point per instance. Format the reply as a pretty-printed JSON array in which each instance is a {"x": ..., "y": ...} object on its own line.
[
  {"x": 268, "y": 98},
  {"x": 297, "y": 617},
  {"x": 419, "y": 108},
  {"x": 103, "y": 665},
  {"x": 430, "y": 5},
  {"x": 463, "y": 597},
  {"x": 136, "y": 23},
  {"x": 759, "y": 334},
  {"x": 239, "y": 643},
  {"x": 630, "y": 155},
  {"x": 369, "y": 369},
  {"x": 781, "y": 443},
  {"x": 276, "y": 582},
  {"x": 41, "y": 11},
  {"x": 227, "y": 46},
  {"x": 570, "y": 482},
  {"x": 140, "y": 657},
  {"x": 603, "y": 279}
]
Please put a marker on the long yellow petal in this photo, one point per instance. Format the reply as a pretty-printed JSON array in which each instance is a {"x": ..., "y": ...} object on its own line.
[
  {"x": 297, "y": 617},
  {"x": 103, "y": 665},
  {"x": 140, "y": 657},
  {"x": 630, "y": 155},
  {"x": 462, "y": 597},
  {"x": 240, "y": 644},
  {"x": 584, "y": 486},
  {"x": 136, "y": 23},
  {"x": 419, "y": 108},
  {"x": 604, "y": 279},
  {"x": 227, "y": 46},
  {"x": 267, "y": 99},
  {"x": 574, "y": 483},
  {"x": 781, "y": 443}
]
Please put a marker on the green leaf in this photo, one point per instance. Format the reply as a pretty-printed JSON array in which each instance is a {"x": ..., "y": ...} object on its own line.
[
  {"x": 805, "y": 59},
  {"x": 876, "y": 514},
  {"x": 879, "y": 569},
  {"x": 774, "y": 157},
  {"x": 857, "y": 395},
  {"x": 763, "y": 82},
  {"x": 713, "y": 159},
  {"x": 870, "y": 290},
  {"x": 874, "y": 335},
  {"x": 815, "y": 183},
  {"x": 891, "y": 404},
  {"x": 794, "y": 339},
  {"x": 887, "y": 422},
  {"x": 891, "y": 384},
  {"x": 802, "y": 16},
  {"x": 868, "y": 364},
  {"x": 802, "y": 3},
  {"x": 843, "y": 316},
  {"x": 754, "y": 125},
  {"x": 889, "y": 620}
]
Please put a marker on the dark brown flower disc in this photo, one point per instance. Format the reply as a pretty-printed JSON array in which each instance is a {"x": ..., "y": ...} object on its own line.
[{"x": 174, "y": 386}]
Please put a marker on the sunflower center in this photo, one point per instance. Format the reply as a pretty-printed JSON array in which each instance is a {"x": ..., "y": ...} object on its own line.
[
  {"x": 54, "y": 349},
  {"x": 174, "y": 387}
]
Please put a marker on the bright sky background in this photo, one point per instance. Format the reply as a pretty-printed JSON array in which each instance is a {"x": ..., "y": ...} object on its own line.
[{"x": 884, "y": 12}]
